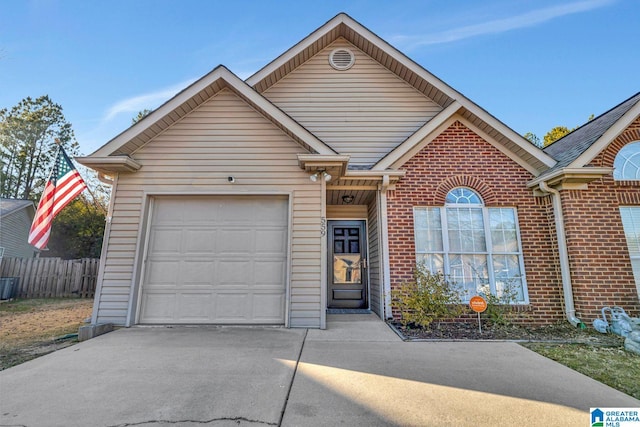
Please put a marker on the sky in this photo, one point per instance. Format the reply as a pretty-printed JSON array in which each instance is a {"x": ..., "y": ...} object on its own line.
[{"x": 532, "y": 64}]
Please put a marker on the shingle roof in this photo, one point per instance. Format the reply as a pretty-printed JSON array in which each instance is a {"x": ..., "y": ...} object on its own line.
[
  {"x": 571, "y": 146},
  {"x": 10, "y": 205}
]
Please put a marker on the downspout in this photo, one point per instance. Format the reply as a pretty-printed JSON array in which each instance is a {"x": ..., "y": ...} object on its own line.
[
  {"x": 569, "y": 307},
  {"x": 103, "y": 253}
]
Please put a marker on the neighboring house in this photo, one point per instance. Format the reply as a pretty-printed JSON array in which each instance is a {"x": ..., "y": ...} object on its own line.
[
  {"x": 316, "y": 184},
  {"x": 16, "y": 217}
]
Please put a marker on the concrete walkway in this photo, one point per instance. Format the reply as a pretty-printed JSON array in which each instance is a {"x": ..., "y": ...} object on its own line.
[{"x": 356, "y": 373}]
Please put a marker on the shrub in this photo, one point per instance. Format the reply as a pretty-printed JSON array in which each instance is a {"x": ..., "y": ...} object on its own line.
[
  {"x": 428, "y": 297},
  {"x": 499, "y": 310}
]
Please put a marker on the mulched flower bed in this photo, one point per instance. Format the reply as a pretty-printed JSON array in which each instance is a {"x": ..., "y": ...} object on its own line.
[{"x": 561, "y": 332}]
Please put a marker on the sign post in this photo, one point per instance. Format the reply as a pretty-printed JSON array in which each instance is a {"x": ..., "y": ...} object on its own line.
[{"x": 479, "y": 305}]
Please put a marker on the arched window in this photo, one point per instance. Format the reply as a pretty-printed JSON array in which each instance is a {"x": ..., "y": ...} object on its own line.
[
  {"x": 626, "y": 166},
  {"x": 463, "y": 196},
  {"x": 476, "y": 247}
]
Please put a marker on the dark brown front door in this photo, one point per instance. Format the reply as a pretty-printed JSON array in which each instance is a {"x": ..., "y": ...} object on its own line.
[{"x": 347, "y": 265}]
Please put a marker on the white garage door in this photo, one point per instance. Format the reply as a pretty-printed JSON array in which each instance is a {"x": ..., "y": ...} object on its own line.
[{"x": 219, "y": 259}]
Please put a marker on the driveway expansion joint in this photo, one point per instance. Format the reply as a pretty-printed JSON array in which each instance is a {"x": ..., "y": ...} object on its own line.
[{"x": 293, "y": 377}]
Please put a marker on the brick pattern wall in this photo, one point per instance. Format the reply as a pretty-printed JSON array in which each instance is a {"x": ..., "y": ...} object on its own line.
[
  {"x": 459, "y": 157},
  {"x": 600, "y": 265}
]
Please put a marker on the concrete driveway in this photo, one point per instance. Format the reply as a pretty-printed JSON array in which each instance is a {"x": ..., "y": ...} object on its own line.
[{"x": 356, "y": 373}]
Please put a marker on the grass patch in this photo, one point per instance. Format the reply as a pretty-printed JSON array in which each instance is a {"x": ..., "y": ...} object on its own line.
[
  {"x": 613, "y": 366},
  {"x": 29, "y": 327}
]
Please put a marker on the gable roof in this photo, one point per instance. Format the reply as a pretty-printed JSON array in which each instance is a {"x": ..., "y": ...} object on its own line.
[
  {"x": 579, "y": 147},
  {"x": 114, "y": 155},
  {"x": 9, "y": 206},
  {"x": 342, "y": 25}
]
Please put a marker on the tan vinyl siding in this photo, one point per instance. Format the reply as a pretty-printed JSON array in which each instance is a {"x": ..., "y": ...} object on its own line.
[
  {"x": 14, "y": 231},
  {"x": 374, "y": 260},
  {"x": 365, "y": 111},
  {"x": 346, "y": 211},
  {"x": 223, "y": 137}
]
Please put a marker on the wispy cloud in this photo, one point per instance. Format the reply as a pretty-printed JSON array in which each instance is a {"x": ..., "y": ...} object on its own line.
[
  {"x": 145, "y": 101},
  {"x": 524, "y": 20}
]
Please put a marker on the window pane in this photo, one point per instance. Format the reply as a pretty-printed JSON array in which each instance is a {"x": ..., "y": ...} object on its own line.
[
  {"x": 463, "y": 196},
  {"x": 428, "y": 230},
  {"x": 631, "y": 223},
  {"x": 635, "y": 264},
  {"x": 469, "y": 272},
  {"x": 466, "y": 230},
  {"x": 627, "y": 163},
  {"x": 432, "y": 262},
  {"x": 506, "y": 270},
  {"x": 502, "y": 222}
]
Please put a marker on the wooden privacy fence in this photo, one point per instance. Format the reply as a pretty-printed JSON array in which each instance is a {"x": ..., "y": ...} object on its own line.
[{"x": 52, "y": 277}]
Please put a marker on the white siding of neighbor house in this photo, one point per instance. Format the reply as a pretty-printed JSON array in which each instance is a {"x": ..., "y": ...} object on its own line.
[
  {"x": 221, "y": 138},
  {"x": 365, "y": 111},
  {"x": 14, "y": 232},
  {"x": 374, "y": 259}
]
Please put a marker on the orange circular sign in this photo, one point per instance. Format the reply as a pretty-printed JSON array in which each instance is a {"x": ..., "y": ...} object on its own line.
[{"x": 478, "y": 304}]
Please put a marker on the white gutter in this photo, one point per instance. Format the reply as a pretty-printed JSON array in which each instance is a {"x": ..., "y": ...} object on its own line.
[
  {"x": 567, "y": 288},
  {"x": 105, "y": 179}
]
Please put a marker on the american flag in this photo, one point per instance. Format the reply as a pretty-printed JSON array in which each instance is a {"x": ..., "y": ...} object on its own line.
[{"x": 63, "y": 185}]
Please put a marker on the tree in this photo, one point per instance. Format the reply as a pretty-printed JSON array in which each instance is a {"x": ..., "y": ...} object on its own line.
[
  {"x": 78, "y": 229},
  {"x": 141, "y": 115},
  {"x": 28, "y": 134},
  {"x": 532, "y": 138},
  {"x": 555, "y": 134}
]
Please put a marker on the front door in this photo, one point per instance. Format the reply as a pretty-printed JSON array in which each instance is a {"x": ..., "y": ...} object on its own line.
[{"x": 347, "y": 265}]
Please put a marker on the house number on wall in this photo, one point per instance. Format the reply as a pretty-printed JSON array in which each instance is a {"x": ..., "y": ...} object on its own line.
[{"x": 323, "y": 226}]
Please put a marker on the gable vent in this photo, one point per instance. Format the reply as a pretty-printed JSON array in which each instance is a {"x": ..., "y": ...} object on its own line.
[{"x": 342, "y": 59}]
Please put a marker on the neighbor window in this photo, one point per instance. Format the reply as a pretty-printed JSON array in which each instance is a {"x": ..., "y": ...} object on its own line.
[
  {"x": 631, "y": 223},
  {"x": 476, "y": 247},
  {"x": 626, "y": 166}
]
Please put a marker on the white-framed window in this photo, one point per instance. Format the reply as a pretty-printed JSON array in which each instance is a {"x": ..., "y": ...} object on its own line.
[
  {"x": 476, "y": 247},
  {"x": 631, "y": 222},
  {"x": 626, "y": 165}
]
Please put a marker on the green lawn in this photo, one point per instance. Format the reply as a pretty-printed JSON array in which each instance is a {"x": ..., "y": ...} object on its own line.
[{"x": 613, "y": 366}]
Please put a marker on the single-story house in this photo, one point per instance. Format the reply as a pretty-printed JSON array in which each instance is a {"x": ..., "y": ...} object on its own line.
[
  {"x": 16, "y": 216},
  {"x": 318, "y": 182}
]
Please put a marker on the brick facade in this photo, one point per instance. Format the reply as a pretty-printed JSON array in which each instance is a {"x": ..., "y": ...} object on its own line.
[
  {"x": 459, "y": 157},
  {"x": 600, "y": 265}
]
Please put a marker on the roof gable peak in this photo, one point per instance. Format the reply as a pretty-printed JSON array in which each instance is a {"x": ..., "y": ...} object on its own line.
[{"x": 191, "y": 97}]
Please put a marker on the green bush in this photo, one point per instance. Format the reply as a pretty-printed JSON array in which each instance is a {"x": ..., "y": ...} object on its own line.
[
  {"x": 499, "y": 310},
  {"x": 428, "y": 297}
]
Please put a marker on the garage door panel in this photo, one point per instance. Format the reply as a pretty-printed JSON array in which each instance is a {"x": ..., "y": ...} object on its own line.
[
  {"x": 158, "y": 306},
  {"x": 269, "y": 273},
  {"x": 270, "y": 241},
  {"x": 269, "y": 212},
  {"x": 163, "y": 272},
  {"x": 195, "y": 307},
  {"x": 234, "y": 273},
  {"x": 219, "y": 259},
  {"x": 235, "y": 240},
  {"x": 196, "y": 272},
  {"x": 199, "y": 241},
  {"x": 165, "y": 241},
  {"x": 268, "y": 307},
  {"x": 232, "y": 306}
]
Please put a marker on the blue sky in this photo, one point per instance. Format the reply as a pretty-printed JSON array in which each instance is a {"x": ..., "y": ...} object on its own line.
[{"x": 532, "y": 64}]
